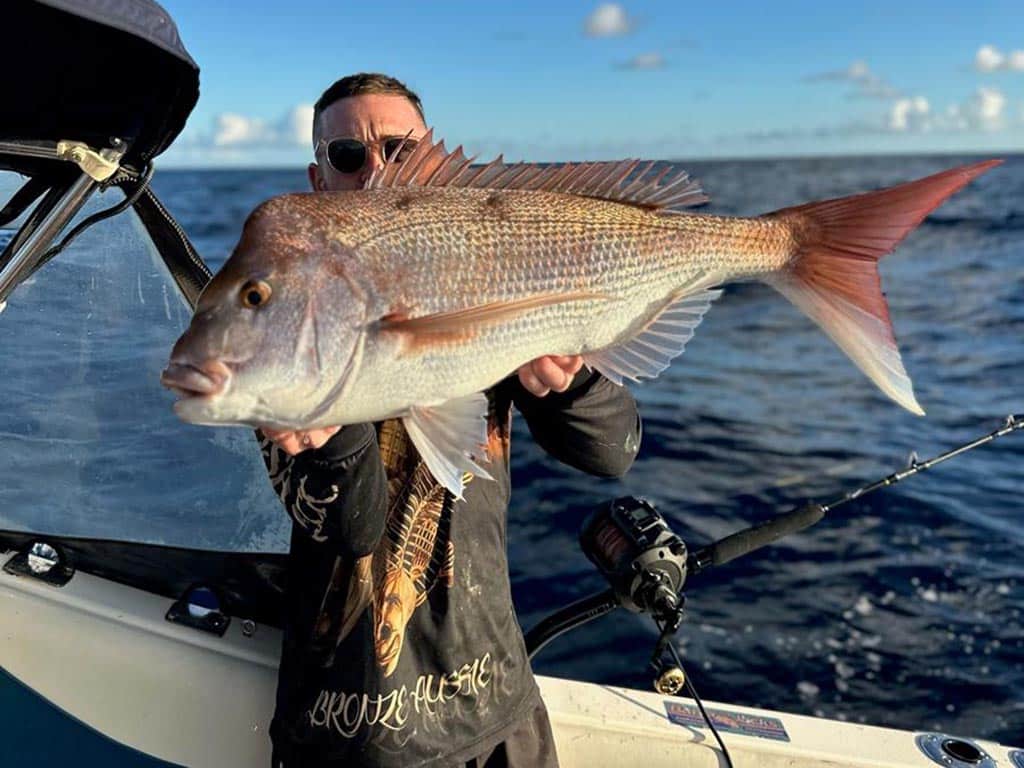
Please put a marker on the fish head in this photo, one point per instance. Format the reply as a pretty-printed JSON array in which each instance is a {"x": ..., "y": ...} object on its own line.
[{"x": 278, "y": 328}]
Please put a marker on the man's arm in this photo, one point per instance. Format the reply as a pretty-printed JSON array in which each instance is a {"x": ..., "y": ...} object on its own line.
[
  {"x": 591, "y": 424},
  {"x": 336, "y": 493}
]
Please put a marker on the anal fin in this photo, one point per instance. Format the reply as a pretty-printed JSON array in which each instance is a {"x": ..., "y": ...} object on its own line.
[
  {"x": 448, "y": 437},
  {"x": 649, "y": 351}
]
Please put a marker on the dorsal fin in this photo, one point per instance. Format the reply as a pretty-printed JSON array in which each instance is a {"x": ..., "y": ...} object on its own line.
[{"x": 647, "y": 184}]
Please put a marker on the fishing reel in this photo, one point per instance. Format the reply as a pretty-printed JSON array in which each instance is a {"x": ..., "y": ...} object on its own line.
[
  {"x": 643, "y": 560},
  {"x": 646, "y": 564}
]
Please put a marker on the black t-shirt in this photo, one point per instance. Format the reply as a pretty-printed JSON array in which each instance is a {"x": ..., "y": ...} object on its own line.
[{"x": 401, "y": 644}]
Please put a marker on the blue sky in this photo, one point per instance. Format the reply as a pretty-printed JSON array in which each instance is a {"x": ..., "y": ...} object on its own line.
[{"x": 563, "y": 80}]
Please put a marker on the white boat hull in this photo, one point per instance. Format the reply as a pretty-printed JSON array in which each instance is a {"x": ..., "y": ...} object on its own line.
[{"x": 105, "y": 654}]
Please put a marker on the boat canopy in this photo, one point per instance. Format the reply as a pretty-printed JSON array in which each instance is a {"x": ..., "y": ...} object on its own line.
[
  {"x": 96, "y": 465},
  {"x": 91, "y": 71},
  {"x": 101, "y": 88}
]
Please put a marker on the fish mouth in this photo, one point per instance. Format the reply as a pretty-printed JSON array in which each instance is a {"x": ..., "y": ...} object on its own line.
[{"x": 206, "y": 380}]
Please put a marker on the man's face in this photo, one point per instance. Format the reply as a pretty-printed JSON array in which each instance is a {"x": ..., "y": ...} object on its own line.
[{"x": 370, "y": 118}]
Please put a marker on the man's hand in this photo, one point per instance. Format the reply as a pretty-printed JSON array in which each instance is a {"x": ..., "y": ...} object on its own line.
[
  {"x": 550, "y": 373},
  {"x": 295, "y": 442}
]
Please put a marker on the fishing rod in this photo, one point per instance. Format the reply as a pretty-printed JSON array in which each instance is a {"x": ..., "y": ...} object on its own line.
[
  {"x": 745, "y": 541},
  {"x": 646, "y": 564},
  {"x": 914, "y": 466}
]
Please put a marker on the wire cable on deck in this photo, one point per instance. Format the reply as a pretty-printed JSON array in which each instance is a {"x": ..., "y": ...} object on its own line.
[{"x": 700, "y": 704}]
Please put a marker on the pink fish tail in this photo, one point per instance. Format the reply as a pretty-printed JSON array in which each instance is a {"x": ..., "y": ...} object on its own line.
[{"x": 834, "y": 278}]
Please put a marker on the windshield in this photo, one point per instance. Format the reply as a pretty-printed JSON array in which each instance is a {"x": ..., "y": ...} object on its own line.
[{"x": 89, "y": 445}]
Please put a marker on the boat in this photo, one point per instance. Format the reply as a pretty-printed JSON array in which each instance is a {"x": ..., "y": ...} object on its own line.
[
  {"x": 118, "y": 651},
  {"x": 100, "y": 649}
]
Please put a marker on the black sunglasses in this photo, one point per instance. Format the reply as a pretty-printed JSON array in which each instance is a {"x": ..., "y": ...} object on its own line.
[{"x": 349, "y": 155}]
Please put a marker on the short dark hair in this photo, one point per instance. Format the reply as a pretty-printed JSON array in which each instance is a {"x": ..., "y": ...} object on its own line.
[{"x": 361, "y": 84}]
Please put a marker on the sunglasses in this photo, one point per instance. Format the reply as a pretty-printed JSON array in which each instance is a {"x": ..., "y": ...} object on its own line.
[{"x": 347, "y": 155}]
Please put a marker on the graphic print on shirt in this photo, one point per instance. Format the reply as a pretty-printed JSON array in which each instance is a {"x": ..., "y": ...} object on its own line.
[
  {"x": 306, "y": 509},
  {"x": 416, "y": 553},
  {"x": 415, "y": 556}
]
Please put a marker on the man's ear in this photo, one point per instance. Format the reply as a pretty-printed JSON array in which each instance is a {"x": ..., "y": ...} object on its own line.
[{"x": 316, "y": 181}]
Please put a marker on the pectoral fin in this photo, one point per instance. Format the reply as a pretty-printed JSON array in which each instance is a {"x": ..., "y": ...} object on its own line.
[
  {"x": 649, "y": 351},
  {"x": 462, "y": 324},
  {"x": 448, "y": 437}
]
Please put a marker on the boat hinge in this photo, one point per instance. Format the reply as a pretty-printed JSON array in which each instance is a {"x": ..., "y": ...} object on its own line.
[
  {"x": 100, "y": 165},
  {"x": 199, "y": 608},
  {"x": 42, "y": 562}
]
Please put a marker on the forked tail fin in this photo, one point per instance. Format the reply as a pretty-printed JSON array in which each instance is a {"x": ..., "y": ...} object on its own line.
[{"x": 834, "y": 276}]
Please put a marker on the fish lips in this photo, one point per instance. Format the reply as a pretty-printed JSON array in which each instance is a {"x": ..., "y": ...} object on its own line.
[{"x": 196, "y": 385}]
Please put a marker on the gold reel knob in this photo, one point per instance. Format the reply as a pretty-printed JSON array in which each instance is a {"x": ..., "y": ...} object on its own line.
[{"x": 670, "y": 681}]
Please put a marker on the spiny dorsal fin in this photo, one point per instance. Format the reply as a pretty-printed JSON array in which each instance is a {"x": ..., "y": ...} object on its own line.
[{"x": 646, "y": 184}]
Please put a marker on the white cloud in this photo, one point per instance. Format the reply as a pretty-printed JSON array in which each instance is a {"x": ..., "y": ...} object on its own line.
[
  {"x": 984, "y": 110},
  {"x": 991, "y": 59},
  {"x": 231, "y": 130},
  {"x": 865, "y": 82},
  {"x": 987, "y": 59},
  {"x": 909, "y": 114},
  {"x": 608, "y": 20},
  {"x": 987, "y": 110},
  {"x": 987, "y": 105},
  {"x": 649, "y": 60},
  {"x": 297, "y": 125}
]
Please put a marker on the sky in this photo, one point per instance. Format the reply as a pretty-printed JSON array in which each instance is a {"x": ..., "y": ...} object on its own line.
[{"x": 547, "y": 80}]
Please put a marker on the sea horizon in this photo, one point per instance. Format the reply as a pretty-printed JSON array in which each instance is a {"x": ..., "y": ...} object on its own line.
[{"x": 997, "y": 154}]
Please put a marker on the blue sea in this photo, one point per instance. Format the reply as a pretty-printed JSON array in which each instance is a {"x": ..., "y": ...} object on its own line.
[{"x": 900, "y": 609}]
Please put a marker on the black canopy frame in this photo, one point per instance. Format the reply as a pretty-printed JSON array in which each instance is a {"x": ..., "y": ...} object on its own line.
[{"x": 104, "y": 86}]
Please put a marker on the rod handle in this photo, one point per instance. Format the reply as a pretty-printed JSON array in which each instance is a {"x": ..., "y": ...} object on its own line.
[{"x": 743, "y": 542}]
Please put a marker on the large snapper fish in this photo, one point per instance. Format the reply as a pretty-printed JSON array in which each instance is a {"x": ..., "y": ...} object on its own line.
[{"x": 410, "y": 298}]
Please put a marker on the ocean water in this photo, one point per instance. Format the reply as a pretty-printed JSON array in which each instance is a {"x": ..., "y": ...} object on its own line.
[{"x": 900, "y": 609}]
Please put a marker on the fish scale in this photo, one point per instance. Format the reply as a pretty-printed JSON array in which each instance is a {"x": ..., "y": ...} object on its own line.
[
  {"x": 506, "y": 259},
  {"x": 408, "y": 299}
]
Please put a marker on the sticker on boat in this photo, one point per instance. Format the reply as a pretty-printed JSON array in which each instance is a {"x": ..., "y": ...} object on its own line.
[{"x": 728, "y": 721}]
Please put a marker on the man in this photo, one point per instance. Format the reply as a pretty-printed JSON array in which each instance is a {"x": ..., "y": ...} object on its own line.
[{"x": 401, "y": 643}]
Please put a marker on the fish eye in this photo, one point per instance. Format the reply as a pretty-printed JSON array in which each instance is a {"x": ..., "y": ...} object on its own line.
[{"x": 255, "y": 294}]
